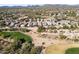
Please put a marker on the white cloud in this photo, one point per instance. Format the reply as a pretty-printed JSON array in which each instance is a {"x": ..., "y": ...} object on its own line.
[{"x": 18, "y": 2}]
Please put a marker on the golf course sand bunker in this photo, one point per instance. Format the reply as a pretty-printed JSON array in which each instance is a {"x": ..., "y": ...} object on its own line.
[{"x": 59, "y": 48}]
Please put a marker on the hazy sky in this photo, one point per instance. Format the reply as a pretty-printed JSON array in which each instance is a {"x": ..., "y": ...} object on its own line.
[{"x": 34, "y": 2}]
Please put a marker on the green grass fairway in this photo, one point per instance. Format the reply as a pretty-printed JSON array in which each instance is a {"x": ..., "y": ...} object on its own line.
[
  {"x": 72, "y": 51},
  {"x": 16, "y": 35}
]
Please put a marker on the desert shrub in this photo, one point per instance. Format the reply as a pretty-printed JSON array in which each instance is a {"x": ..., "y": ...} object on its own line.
[
  {"x": 55, "y": 31},
  {"x": 53, "y": 27},
  {"x": 65, "y": 27},
  {"x": 63, "y": 37},
  {"x": 40, "y": 29}
]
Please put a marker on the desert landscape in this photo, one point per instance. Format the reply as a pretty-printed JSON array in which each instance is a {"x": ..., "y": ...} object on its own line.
[{"x": 46, "y": 29}]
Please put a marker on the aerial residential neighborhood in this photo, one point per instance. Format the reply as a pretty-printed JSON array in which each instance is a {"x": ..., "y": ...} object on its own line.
[{"x": 47, "y": 29}]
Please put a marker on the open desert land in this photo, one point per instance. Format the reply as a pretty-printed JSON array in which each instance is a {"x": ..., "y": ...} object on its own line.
[{"x": 50, "y": 41}]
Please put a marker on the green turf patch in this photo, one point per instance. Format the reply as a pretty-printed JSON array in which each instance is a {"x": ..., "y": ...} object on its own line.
[
  {"x": 72, "y": 51},
  {"x": 16, "y": 35}
]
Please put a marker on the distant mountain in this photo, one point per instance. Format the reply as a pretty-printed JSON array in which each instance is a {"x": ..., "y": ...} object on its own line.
[
  {"x": 59, "y": 6},
  {"x": 12, "y": 6},
  {"x": 29, "y": 6},
  {"x": 43, "y": 6}
]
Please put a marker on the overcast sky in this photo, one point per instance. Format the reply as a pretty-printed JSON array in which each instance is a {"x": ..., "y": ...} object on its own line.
[{"x": 34, "y": 2}]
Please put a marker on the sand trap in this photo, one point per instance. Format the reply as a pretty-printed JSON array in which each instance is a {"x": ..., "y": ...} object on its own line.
[{"x": 59, "y": 48}]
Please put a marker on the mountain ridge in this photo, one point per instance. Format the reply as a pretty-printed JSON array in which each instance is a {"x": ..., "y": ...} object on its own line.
[{"x": 43, "y": 6}]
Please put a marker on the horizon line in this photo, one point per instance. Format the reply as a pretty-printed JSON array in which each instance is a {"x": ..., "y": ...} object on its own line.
[{"x": 34, "y": 4}]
